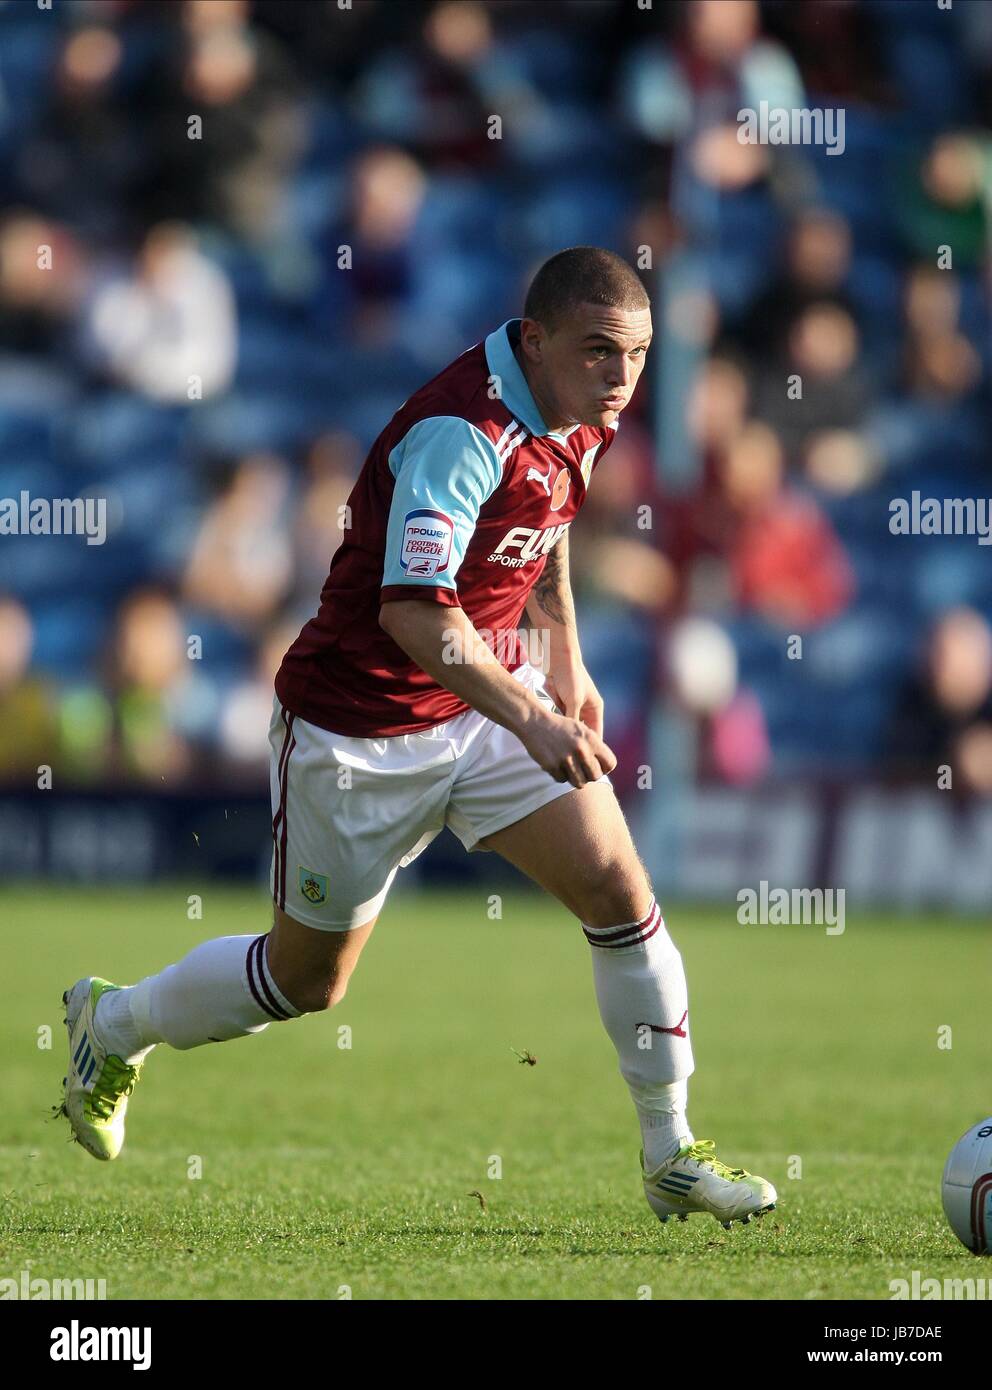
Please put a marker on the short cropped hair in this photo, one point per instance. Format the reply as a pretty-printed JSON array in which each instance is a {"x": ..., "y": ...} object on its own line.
[{"x": 582, "y": 275}]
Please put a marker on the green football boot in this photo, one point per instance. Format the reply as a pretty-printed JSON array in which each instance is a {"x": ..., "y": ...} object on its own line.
[
  {"x": 98, "y": 1085},
  {"x": 695, "y": 1180}
]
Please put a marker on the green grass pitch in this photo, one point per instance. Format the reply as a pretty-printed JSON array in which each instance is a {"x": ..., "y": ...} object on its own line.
[{"x": 328, "y": 1169}]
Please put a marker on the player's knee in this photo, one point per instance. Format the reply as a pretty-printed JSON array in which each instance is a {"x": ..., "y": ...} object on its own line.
[
  {"x": 313, "y": 990},
  {"x": 616, "y": 891},
  {"x": 321, "y": 991},
  {"x": 336, "y": 989}
]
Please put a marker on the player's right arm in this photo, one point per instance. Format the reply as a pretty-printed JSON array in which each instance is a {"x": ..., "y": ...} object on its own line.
[
  {"x": 445, "y": 469},
  {"x": 444, "y": 643}
]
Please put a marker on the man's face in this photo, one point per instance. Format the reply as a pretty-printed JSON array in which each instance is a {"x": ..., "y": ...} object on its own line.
[{"x": 586, "y": 370}]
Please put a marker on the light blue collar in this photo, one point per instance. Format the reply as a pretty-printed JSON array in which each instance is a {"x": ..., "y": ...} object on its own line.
[{"x": 514, "y": 391}]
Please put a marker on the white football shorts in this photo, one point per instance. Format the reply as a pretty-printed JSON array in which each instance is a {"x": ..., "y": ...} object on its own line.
[{"x": 347, "y": 813}]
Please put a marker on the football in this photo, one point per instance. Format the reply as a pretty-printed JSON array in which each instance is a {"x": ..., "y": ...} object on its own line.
[{"x": 966, "y": 1188}]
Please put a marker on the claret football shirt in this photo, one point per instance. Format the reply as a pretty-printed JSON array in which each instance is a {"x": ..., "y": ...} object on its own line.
[{"x": 458, "y": 502}]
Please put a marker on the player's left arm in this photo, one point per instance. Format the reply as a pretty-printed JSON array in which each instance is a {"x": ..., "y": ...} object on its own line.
[{"x": 550, "y": 609}]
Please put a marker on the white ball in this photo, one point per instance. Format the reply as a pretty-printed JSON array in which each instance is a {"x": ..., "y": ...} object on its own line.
[{"x": 966, "y": 1188}]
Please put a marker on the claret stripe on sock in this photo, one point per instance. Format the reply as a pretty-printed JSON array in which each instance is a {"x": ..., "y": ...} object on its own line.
[
  {"x": 269, "y": 986},
  {"x": 257, "y": 982},
  {"x": 611, "y": 938}
]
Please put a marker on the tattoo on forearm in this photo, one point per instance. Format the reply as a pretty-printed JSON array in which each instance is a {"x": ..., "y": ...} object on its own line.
[{"x": 551, "y": 592}]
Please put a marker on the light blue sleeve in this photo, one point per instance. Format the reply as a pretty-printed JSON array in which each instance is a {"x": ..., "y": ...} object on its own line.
[{"x": 445, "y": 470}]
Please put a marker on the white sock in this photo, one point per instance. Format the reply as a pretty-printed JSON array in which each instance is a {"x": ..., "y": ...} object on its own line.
[
  {"x": 643, "y": 1002},
  {"x": 116, "y": 1028},
  {"x": 664, "y": 1131},
  {"x": 223, "y": 989}
]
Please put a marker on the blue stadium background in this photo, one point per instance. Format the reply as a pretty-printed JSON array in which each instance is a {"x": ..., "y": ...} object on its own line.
[{"x": 368, "y": 193}]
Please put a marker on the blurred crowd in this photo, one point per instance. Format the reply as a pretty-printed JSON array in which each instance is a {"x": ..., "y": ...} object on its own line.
[{"x": 266, "y": 222}]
